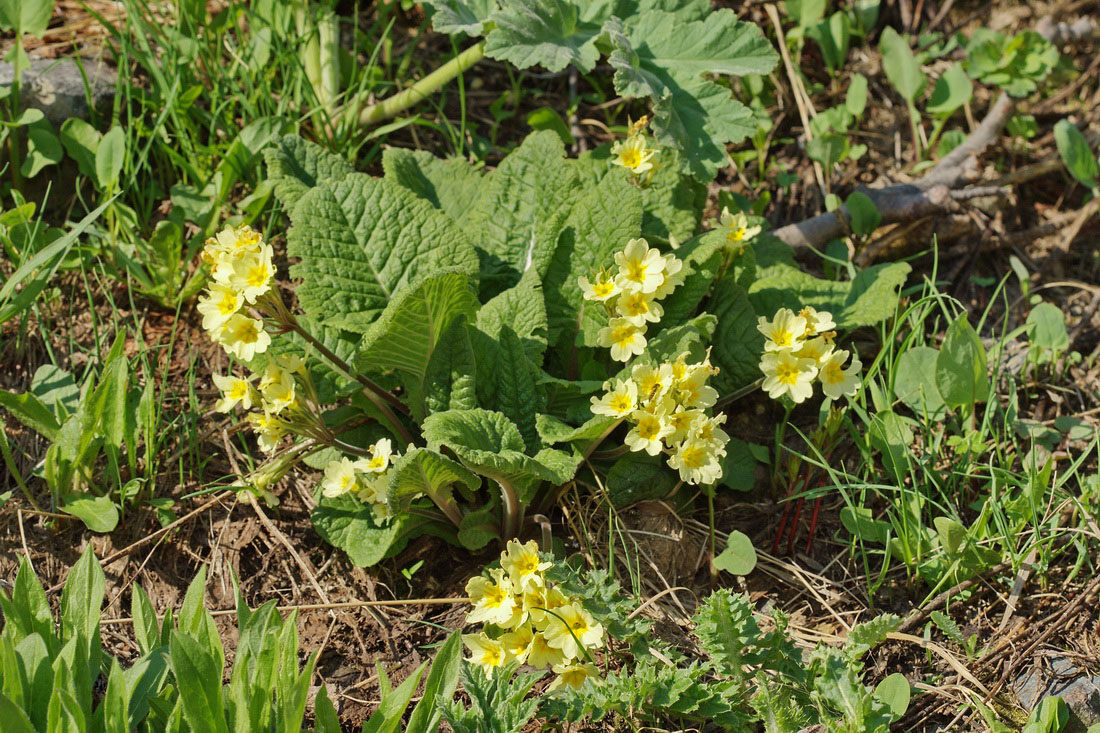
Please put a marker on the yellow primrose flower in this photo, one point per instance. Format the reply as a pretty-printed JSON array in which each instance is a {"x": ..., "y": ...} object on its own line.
[
  {"x": 517, "y": 644},
  {"x": 785, "y": 331},
  {"x": 292, "y": 363},
  {"x": 737, "y": 227},
  {"x": 493, "y": 600},
  {"x": 340, "y": 478},
  {"x": 252, "y": 273},
  {"x": 671, "y": 277},
  {"x": 571, "y": 629},
  {"x": 484, "y": 652},
  {"x": 537, "y": 604},
  {"x": 817, "y": 348},
  {"x": 523, "y": 565},
  {"x": 641, "y": 267},
  {"x": 380, "y": 455},
  {"x": 235, "y": 391},
  {"x": 817, "y": 322},
  {"x": 633, "y": 154},
  {"x": 693, "y": 390},
  {"x": 697, "y": 461},
  {"x": 835, "y": 379},
  {"x": 277, "y": 388},
  {"x": 243, "y": 337},
  {"x": 230, "y": 241},
  {"x": 624, "y": 338},
  {"x": 269, "y": 430},
  {"x": 540, "y": 654},
  {"x": 639, "y": 308},
  {"x": 572, "y": 675},
  {"x": 709, "y": 430},
  {"x": 649, "y": 429},
  {"x": 638, "y": 125},
  {"x": 653, "y": 382},
  {"x": 785, "y": 373},
  {"x": 619, "y": 402},
  {"x": 217, "y": 305},
  {"x": 602, "y": 290},
  {"x": 682, "y": 422}
]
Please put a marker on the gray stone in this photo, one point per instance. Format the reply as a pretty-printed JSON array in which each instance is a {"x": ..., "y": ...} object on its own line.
[
  {"x": 57, "y": 86},
  {"x": 1057, "y": 676}
]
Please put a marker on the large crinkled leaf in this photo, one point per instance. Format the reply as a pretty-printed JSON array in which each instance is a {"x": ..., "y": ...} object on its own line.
[
  {"x": 547, "y": 33},
  {"x": 602, "y": 219},
  {"x": 523, "y": 310},
  {"x": 868, "y": 299},
  {"x": 423, "y": 471},
  {"x": 450, "y": 378},
  {"x": 702, "y": 258},
  {"x": 690, "y": 338},
  {"x": 461, "y": 16},
  {"x": 737, "y": 342},
  {"x": 639, "y": 477},
  {"x": 553, "y": 431},
  {"x": 514, "y": 389},
  {"x": 453, "y": 186},
  {"x": 516, "y": 223},
  {"x": 662, "y": 57},
  {"x": 360, "y": 241},
  {"x": 349, "y": 524},
  {"x": 406, "y": 335},
  {"x": 294, "y": 166}
]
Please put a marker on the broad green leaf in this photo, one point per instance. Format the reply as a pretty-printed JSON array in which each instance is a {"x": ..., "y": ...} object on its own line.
[
  {"x": 452, "y": 186},
  {"x": 738, "y": 557},
  {"x": 521, "y": 309},
  {"x": 915, "y": 382},
  {"x": 81, "y": 141},
  {"x": 13, "y": 716},
  {"x": 832, "y": 36},
  {"x": 109, "y": 158},
  {"x": 638, "y": 477},
  {"x": 961, "y": 374},
  {"x": 362, "y": 241},
  {"x": 43, "y": 148},
  {"x": 690, "y": 338},
  {"x": 326, "y": 719},
  {"x": 862, "y": 213},
  {"x": 739, "y": 466},
  {"x": 516, "y": 222},
  {"x": 390, "y": 712},
  {"x": 737, "y": 343},
  {"x": 951, "y": 533},
  {"x": 461, "y": 16},
  {"x": 439, "y": 687},
  {"x": 295, "y": 166},
  {"x": 672, "y": 202},
  {"x": 56, "y": 389},
  {"x": 828, "y": 150},
  {"x": 661, "y": 57},
  {"x": 548, "y": 33},
  {"x": 450, "y": 376},
  {"x": 479, "y": 527},
  {"x": 900, "y": 65},
  {"x": 891, "y": 435},
  {"x": 861, "y": 524},
  {"x": 199, "y": 681},
  {"x": 552, "y": 430},
  {"x": 82, "y": 598},
  {"x": 1047, "y": 327},
  {"x": 855, "y": 101},
  {"x": 952, "y": 91},
  {"x": 26, "y": 16},
  {"x": 546, "y": 118},
  {"x": 1078, "y": 157},
  {"x": 29, "y": 410},
  {"x": 515, "y": 389},
  {"x": 28, "y": 611},
  {"x": 702, "y": 258},
  {"x": 98, "y": 513},
  {"x": 349, "y": 524},
  {"x": 423, "y": 471},
  {"x": 31, "y": 685}
]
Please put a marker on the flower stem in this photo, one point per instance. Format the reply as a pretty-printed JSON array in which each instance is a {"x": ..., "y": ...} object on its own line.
[
  {"x": 603, "y": 436},
  {"x": 421, "y": 90},
  {"x": 513, "y": 511}
]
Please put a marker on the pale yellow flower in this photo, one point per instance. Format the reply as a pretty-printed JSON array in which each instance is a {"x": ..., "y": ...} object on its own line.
[
  {"x": 653, "y": 381},
  {"x": 252, "y": 273},
  {"x": 624, "y": 338},
  {"x": 230, "y": 242},
  {"x": 737, "y": 227},
  {"x": 641, "y": 267},
  {"x": 633, "y": 154},
  {"x": 572, "y": 675},
  {"x": 837, "y": 381},
  {"x": 639, "y": 308},
  {"x": 817, "y": 348},
  {"x": 517, "y": 643},
  {"x": 671, "y": 277},
  {"x": 277, "y": 388},
  {"x": 648, "y": 432},
  {"x": 493, "y": 600},
  {"x": 340, "y": 478},
  {"x": 603, "y": 289},
  {"x": 292, "y": 363},
  {"x": 381, "y": 453},
  {"x": 571, "y": 628},
  {"x": 785, "y": 373},
  {"x": 682, "y": 422},
  {"x": 269, "y": 430},
  {"x": 484, "y": 652},
  {"x": 785, "y": 331},
  {"x": 243, "y": 337},
  {"x": 523, "y": 565},
  {"x": 235, "y": 391},
  {"x": 619, "y": 401},
  {"x": 217, "y": 305},
  {"x": 693, "y": 390},
  {"x": 697, "y": 461},
  {"x": 709, "y": 430},
  {"x": 817, "y": 322},
  {"x": 540, "y": 654},
  {"x": 537, "y": 605}
]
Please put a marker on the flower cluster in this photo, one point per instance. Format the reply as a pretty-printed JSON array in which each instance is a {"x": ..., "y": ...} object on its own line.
[
  {"x": 634, "y": 152},
  {"x": 276, "y": 395},
  {"x": 529, "y": 620},
  {"x": 799, "y": 348},
  {"x": 737, "y": 229},
  {"x": 666, "y": 408},
  {"x": 632, "y": 295},
  {"x": 365, "y": 478},
  {"x": 241, "y": 271}
]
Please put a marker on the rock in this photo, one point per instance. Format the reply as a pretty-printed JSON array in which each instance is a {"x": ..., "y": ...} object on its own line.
[
  {"x": 56, "y": 86},
  {"x": 1058, "y": 676}
]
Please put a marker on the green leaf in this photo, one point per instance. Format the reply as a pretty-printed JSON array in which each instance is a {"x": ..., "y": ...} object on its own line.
[
  {"x": 738, "y": 557},
  {"x": 900, "y": 65},
  {"x": 325, "y": 716},
  {"x": 109, "y": 157},
  {"x": 1050, "y": 716},
  {"x": 199, "y": 680},
  {"x": 952, "y": 90},
  {"x": 546, "y": 118},
  {"x": 516, "y": 222},
  {"x": 664, "y": 58},
  {"x": 423, "y": 471},
  {"x": 405, "y": 337},
  {"x": 1047, "y": 328},
  {"x": 737, "y": 343},
  {"x": 739, "y": 465},
  {"x": 98, "y": 513},
  {"x": 450, "y": 376},
  {"x": 1076, "y": 153},
  {"x": 548, "y": 33},
  {"x": 362, "y": 241},
  {"x": 552, "y": 430},
  {"x": 26, "y": 16},
  {"x": 349, "y": 524},
  {"x": 81, "y": 141},
  {"x": 295, "y": 166},
  {"x": 439, "y": 687},
  {"x": 951, "y": 533},
  {"x": 461, "y": 16},
  {"x": 389, "y": 713},
  {"x": 894, "y": 691},
  {"x": 891, "y": 435},
  {"x": 522, "y": 310},
  {"x": 43, "y": 148},
  {"x": 638, "y": 477},
  {"x": 860, "y": 524},
  {"x": 833, "y": 36},
  {"x": 702, "y": 259},
  {"x": 915, "y": 382},
  {"x": 56, "y": 389},
  {"x": 14, "y": 718},
  {"x": 515, "y": 389},
  {"x": 29, "y": 410},
  {"x": 961, "y": 372},
  {"x": 828, "y": 150},
  {"x": 725, "y": 626},
  {"x": 452, "y": 186},
  {"x": 82, "y": 598},
  {"x": 862, "y": 213}
]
